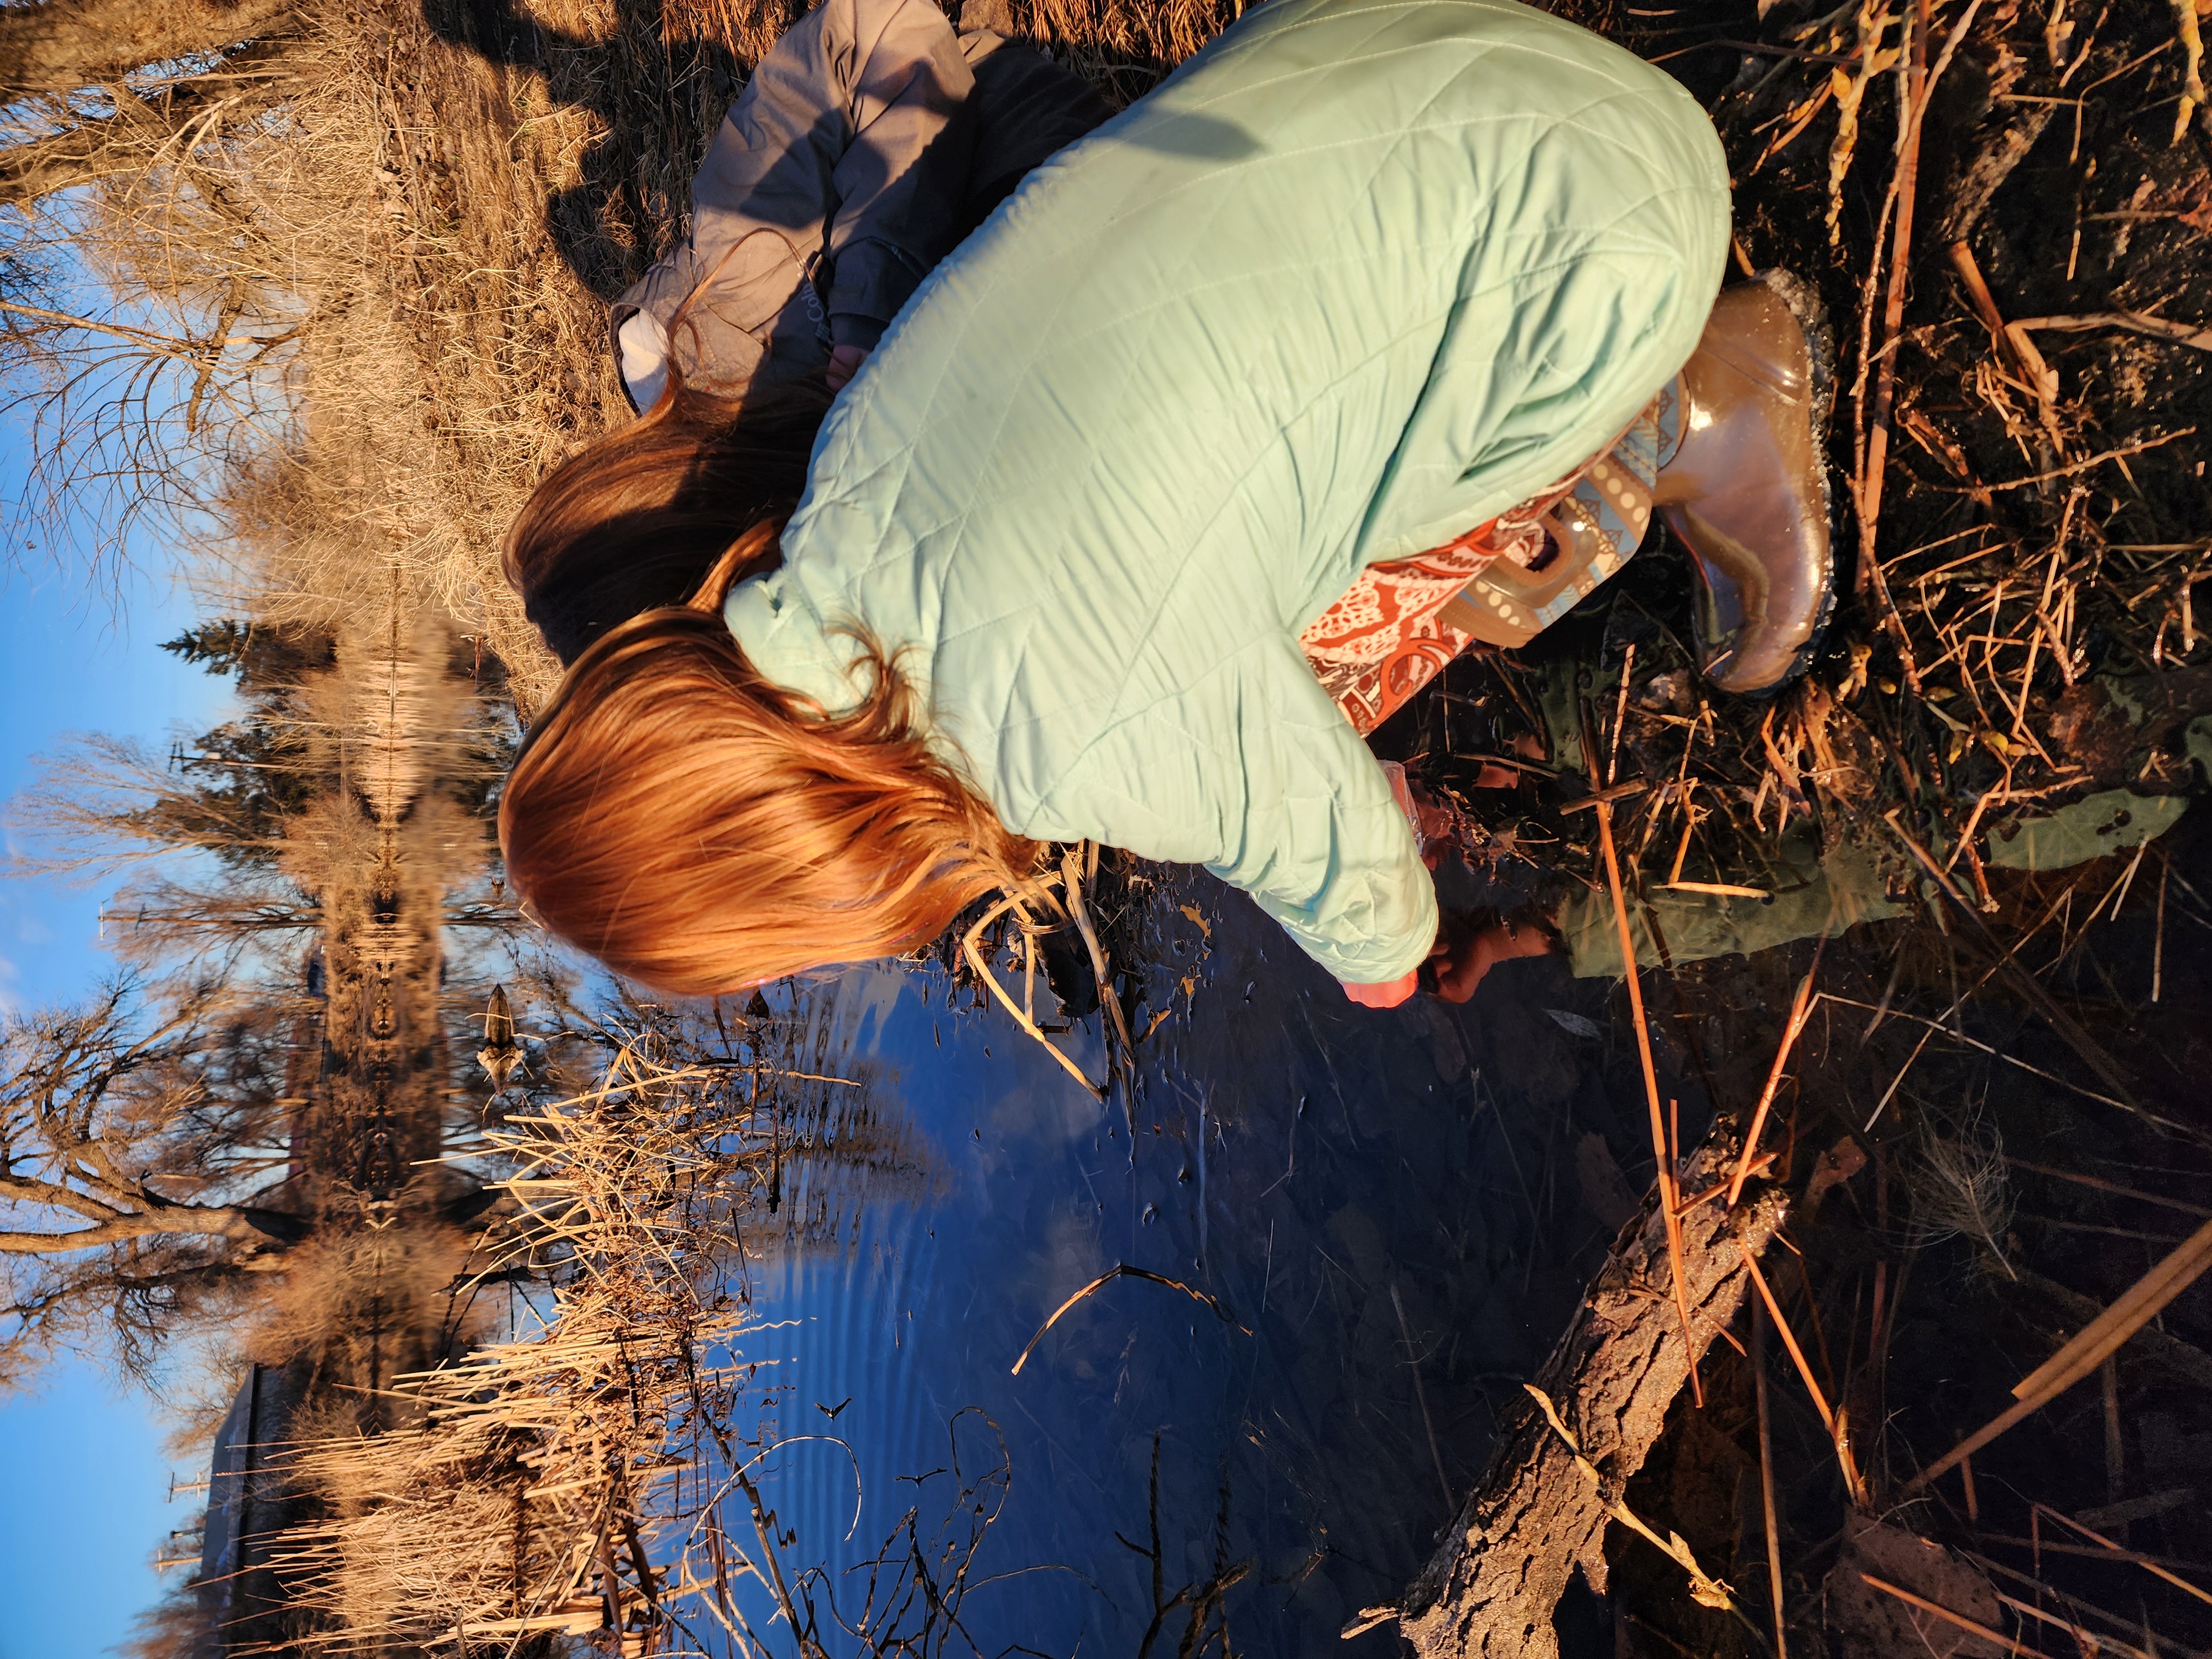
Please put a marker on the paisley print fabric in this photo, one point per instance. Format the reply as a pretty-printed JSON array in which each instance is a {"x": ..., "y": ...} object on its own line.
[{"x": 1501, "y": 584}]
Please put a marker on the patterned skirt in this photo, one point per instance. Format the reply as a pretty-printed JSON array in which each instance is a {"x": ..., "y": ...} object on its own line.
[{"x": 1501, "y": 584}]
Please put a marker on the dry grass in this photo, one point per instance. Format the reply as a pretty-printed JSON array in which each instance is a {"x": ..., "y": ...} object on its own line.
[
  {"x": 1123, "y": 46},
  {"x": 409, "y": 259},
  {"x": 591, "y": 1473},
  {"x": 425, "y": 412},
  {"x": 452, "y": 215},
  {"x": 338, "y": 1290},
  {"x": 530, "y": 1485},
  {"x": 477, "y": 206},
  {"x": 535, "y": 1485}
]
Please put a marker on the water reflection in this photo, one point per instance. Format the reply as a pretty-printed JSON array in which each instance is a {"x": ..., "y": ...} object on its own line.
[{"x": 1385, "y": 1201}]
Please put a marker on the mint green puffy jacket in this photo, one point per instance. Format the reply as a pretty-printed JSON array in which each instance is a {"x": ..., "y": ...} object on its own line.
[{"x": 1357, "y": 277}]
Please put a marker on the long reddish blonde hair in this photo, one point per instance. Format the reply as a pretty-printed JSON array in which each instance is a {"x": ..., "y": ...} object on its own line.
[{"x": 699, "y": 828}]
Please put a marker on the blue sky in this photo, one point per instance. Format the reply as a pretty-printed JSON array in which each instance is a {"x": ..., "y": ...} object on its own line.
[{"x": 72, "y": 661}]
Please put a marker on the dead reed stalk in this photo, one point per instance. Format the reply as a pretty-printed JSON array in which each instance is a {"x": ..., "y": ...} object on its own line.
[
  {"x": 2089, "y": 1348},
  {"x": 565, "y": 1480},
  {"x": 1662, "y": 1146}
]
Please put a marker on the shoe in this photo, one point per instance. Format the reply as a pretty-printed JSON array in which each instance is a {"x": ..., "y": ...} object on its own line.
[{"x": 1746, "y": 491}]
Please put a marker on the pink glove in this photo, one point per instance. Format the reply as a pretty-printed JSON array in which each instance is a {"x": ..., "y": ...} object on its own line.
[{"x": 1387, "y": 995}]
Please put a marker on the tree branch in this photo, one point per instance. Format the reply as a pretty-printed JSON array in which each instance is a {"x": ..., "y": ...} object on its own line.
[
  {"x": 61, "y": 45},
  {"x": 189, "y": 1219},
  {"x": 51, "y": 1194},
  {"x": 1534, "y": 1520},
  {"x": 251, "y": 79}
]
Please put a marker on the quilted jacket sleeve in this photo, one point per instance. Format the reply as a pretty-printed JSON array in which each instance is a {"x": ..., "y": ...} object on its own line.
[
  {"x": 1319, "y": 842},
  {"x": 1361, "y": 274},
  {"x": 1254, "y": 773}
]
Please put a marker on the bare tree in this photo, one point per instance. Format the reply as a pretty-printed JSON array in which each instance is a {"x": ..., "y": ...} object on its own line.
[
  {"x": 159, "y": 922},
  {"x": 178, "y": 1626},
  {"x": 147, "y": 103},
  {"x": 132, "y": 412},
  {"x": 109, "y": 802},
  {"x": 141, "y": 1153},
  {"x": 81, "y": 140},
  {"x": 57, "y": 46},
  {"x": 211, "y": 885}
]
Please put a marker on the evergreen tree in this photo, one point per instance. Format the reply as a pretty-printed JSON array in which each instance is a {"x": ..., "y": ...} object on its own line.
[{"x": 262, "y": 658}]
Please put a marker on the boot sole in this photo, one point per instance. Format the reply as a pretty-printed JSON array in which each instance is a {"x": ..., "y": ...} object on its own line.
[{"x": 1812, "y": 317}]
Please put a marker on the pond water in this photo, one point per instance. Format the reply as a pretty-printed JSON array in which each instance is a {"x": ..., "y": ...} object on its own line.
[{"x": 1384, "y": 1207}]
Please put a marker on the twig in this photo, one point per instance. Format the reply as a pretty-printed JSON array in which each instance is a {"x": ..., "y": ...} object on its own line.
[
  {"x": 2042, "y": 1546},
  {"x": 2142, "y": 1561},
  {"x": 1071, "y": 872},
  {"x": 1706, "y": 1590},
  {"x": 1123, "y": 1270},
  {"x": 1765, "y": 49},
  {"x": 1421, "y": 1397},
  {"x": 1607, "y": 797},
  {"x": 168, "y": 345},
  {"x": 1837, "y": 1425},
  {"x": 1619, "y": 717},
  {"x": 2132, "y": 322},
  {"x": 2012, "y": 341},
  {"x": 1719, "y": 1188},
  {"x": 2025, "y": 982},
  {"x": 1897, "y": 1082},
  {"x": 2192, "y": 66},
  {"x": 2007, "y": 1643},
  {"x": 2104, "y": 1185},
  {"x": 1999, "y": 1053},
  {"x": 1800, "y": 1010},
  {"x": 1766, "y": 1477},
  {"x": 2102, "y": 1336},
  {"x": 1789, "y": 1341},
  {"x": 1666, "y": 1193},
  {"x": 1904, "y": 186},
  {"x": 2082, "y": 1639},
  {"x": 2121, "y": 453},
  {"x": 970, "y": 949},
  {"x": 1813, "y": 108}
]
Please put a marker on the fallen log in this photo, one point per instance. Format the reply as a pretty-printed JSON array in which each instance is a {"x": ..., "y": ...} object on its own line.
[{"x": 1535, "y": 1519}]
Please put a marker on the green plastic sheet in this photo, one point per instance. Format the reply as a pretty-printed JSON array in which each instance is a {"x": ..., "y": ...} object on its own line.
[
  {"x": 2109, "y": 821},
  {"x": 1810, "y": 894}
]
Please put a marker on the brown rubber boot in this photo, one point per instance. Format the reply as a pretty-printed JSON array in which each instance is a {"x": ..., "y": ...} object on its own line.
[{"x": 1747, "y": 492}]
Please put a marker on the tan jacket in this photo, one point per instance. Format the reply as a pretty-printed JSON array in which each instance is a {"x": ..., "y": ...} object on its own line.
[{"x": 870, "y": 140}]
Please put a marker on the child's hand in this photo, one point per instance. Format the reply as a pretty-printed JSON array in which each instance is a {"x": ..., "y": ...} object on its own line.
[
  {"x": 1461, "y": 955},
  {"x": 845, "y": 362},
  {"x": 1465, "y": 954}
]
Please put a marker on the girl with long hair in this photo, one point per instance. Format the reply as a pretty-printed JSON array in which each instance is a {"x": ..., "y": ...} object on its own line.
[
  {"x": 1381, "y": 327},
  {"x": 869, "y": 141}
]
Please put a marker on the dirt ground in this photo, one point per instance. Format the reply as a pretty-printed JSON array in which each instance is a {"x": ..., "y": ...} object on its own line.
[{"x": 2020, "y": 1132}]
